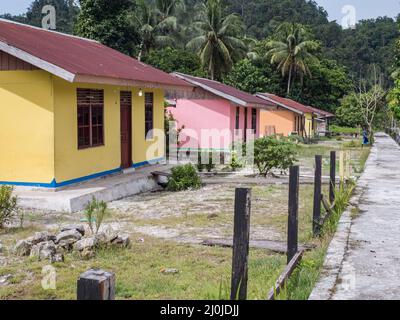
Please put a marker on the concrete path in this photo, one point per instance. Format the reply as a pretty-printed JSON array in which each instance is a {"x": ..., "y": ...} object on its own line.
[{"x": 370, "y": 269}]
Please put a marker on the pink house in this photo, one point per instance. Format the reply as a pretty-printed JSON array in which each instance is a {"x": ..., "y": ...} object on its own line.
[{"x": 214, "y": 115}]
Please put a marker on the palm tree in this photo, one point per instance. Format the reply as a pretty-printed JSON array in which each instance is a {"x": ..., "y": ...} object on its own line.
[
  {"x": 218, "y": 45},
  {"x": 293, "y": 53},
  {"x": 157, "y": 24}
]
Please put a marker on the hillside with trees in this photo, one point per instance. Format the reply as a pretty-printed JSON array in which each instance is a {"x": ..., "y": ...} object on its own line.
[{"x": 288, "y": 47}]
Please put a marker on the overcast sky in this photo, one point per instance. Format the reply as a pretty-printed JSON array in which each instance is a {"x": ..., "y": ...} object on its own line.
[{"x": 363, "y": 8}]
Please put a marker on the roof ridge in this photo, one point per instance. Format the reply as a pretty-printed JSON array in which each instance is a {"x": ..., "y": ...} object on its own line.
[{"x": 46, "y": 30}]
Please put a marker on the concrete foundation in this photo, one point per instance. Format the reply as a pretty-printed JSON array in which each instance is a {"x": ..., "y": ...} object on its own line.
[{"x": 74, "y": 198}]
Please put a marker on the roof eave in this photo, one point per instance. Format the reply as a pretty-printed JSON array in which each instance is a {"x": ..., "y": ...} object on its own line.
[
  {"x": 212, "y": 90},
  {"x": 260, "y": 95},
  {"x": 37, "y": 62}
]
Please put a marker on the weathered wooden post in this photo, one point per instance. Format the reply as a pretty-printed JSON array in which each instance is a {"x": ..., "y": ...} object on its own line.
[
  {"x": 241, "y": 238},
  {"x": 96, "y": 284},
  {"x": 292, "y": 242},
  {"x": 332, "y": 179},
  {"x": 317, "y": 195}
]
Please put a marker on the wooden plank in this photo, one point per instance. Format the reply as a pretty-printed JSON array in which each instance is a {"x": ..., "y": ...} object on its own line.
[
  {"x": 284, "y": 277},
  {"x": 317, "y": 195},
  {"x": 241, "y": 238},
  {"x": 270, "y": 245},
  {"x": 292, "y": 240}
]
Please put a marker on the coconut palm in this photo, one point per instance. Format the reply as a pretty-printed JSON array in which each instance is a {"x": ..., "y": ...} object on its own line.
[
  {"x": 218, "y": 45},
  {"x": 293, "y": 53},
  {"x": 157, "y": 24}
]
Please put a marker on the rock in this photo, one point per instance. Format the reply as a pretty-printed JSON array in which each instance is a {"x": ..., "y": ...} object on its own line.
[
  {"x": 4, "y": 279},
  {"x": 121, "y": 240},
  {"x": 87, "y": 254},
  {"x": 111, "y": 234},
  {"x": 23, "y": 248},
  {"x": 39, "y": 237},
  {"x": 212, "y": 216},
  {"x": 86, "y": 243},
  {"x": 1, "y": 247},
  {"x": 101, "y": 238},
  {"x": 58, "y": 257},
  {"x": 78, "y": 227},
  {"x": 169, "y": 271},
  {"x": 140, "y": 240},
  {"x": 68, "y": 237},
  {"x": 43, "y": 250}
]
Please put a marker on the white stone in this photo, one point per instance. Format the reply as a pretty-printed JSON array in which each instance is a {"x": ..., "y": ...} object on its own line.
[
  {"x": 86, "y": 243},
  {"x": 78, "y": 227},
  {"x": 22, "y": 248},
  {"x": 68, "y": 237}
]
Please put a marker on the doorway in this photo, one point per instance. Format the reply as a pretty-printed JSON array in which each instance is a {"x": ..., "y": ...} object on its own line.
[{"x": 126, "y": 129}]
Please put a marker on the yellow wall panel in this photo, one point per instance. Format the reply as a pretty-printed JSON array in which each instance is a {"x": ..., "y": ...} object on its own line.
[{"x": 26, "y": 127}]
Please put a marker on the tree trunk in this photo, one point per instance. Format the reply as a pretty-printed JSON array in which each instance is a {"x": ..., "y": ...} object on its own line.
[
  {"x": 140, "y": 52},
  {"x": 289, "y": 81}
]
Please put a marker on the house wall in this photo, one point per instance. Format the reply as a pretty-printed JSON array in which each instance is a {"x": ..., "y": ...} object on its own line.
[
  {"x": 282, "y": 120},
  {"x": 309, "y": 125},
  {"x": 26, "y": 128},
  {"x": 73, "y": 164},
  {"x": 198, "y": 115}
]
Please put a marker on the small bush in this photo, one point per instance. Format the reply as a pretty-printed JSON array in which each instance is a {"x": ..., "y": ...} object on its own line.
[
  {"x": 353, "y": 144},
  {"x": 95, "y": 213},
  {"x": 272, "y": 153},
  {"x": 235, "y": 163},
  {"x": 8, "y": 205},
  {"x": 183, "y": 178}
]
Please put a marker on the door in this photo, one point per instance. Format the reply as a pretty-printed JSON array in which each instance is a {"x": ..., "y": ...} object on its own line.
[{"x": 126, "y": 129}]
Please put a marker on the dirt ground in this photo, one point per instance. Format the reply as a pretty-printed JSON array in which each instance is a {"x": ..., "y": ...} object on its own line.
[{"x": 166, "y": 229}]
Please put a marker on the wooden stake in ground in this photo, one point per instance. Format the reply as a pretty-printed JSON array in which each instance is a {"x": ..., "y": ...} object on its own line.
[
  {"x": 96, "y": 284},
  {"x": 317, "y": 195},
  {"x": 241, "y": 239},
  {"x": 293, "y": 212},
  {"x": 332, "y": 179}
]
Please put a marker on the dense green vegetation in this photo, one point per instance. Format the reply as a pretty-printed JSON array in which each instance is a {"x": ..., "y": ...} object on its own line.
[{"x": 288, "y": 47}]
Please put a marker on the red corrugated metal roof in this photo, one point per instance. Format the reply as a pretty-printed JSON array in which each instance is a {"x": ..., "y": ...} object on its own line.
[
  {"x": 81, "y": 56},
  {"x": 322, "y": 113},
  {"x": 224, "y": 90},
  {"x": 288, "y": 103}
]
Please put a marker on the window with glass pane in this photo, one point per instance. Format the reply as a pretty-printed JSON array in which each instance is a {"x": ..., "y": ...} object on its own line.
[
  {"x": 149, "y": 114},
  {"x": 90, "y": 118}
]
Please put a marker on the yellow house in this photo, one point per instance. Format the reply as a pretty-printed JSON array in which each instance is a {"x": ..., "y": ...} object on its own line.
[
  {"x": 72, "y": 109},
  {"x": 291, "y": 117}
]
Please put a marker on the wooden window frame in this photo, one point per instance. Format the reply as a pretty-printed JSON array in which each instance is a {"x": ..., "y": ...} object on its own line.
[
  {"x": 237, "y": 119},
  {"x": 254, "y": 119},
  {"x": 148, "y": 123},
  {"x": 91, "y": 104}
]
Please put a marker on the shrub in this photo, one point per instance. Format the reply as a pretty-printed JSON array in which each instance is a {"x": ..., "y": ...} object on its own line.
[
  {"x": 272, "y": 153},
  {"x": 8, "y": 205},
  {"x": 95, "y": 213},
  {"x": 235, "y": 163},
  {"x": 183, "y": 178}
]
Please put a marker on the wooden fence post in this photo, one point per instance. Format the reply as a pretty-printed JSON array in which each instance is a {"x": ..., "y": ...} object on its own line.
[
  {"x": 241, "y": 238},
  {"x": 317, "y": 195},
  {"x": 292, "y": 241},
  {"x": 332, "y": 179},
  {"x": 96, "y": 284}
]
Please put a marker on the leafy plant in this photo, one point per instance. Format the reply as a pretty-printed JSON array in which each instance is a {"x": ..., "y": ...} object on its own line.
[
  {"x": 235, "y": 163},
  {"x": 95, "y": 213},
  {"x": 8, "y": 205},
  {"x": 183, "y": 178},
  {"x": 272, "y": 153}
]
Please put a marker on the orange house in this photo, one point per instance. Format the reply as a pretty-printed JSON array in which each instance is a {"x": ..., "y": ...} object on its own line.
[{"x": 291, "y": 117}]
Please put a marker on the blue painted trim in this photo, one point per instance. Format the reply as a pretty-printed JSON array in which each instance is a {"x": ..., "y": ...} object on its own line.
[
  {"x": 55, "y": 184},
  {"x": 141, "y": 164},
  {"x": 89, "y": 177}
]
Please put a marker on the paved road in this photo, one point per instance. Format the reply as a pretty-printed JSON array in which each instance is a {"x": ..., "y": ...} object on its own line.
[{"x": 371, "y": 269}]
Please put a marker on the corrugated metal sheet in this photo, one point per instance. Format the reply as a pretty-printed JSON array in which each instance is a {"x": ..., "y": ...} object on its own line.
[
  {"x": 81, "y": 56},
  {"x": 226, "y": 90},
  {"x": 289, "y": 103}
]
